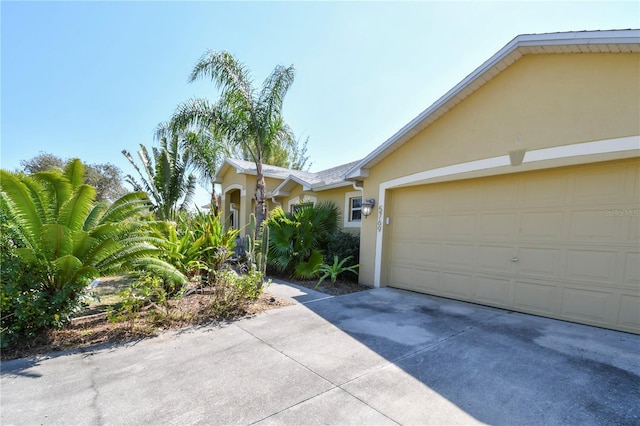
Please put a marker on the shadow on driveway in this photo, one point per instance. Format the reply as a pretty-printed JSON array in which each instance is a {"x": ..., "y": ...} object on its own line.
[{"x": 429, "y": 360}]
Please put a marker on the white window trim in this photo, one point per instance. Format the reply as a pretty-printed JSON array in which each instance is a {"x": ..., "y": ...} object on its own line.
[
  {"x": 533, "y": 160},
  {"x": 346, "y": 223}
]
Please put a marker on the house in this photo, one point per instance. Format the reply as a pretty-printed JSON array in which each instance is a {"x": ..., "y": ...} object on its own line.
[
  {"x": 520, "y": 187},
  {"x": 286, "y": 188}
]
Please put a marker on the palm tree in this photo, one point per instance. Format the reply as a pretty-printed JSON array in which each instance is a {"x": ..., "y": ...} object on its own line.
[
  {"x": 204, "y": 153},
  {"x": 66, "y": 239},
  {"x": 243, "y": 116},
  {"x": 298, "y": 239},
  {"x": 165, "y": 177}
]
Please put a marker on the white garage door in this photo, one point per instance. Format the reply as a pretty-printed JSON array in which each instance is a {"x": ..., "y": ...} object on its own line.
[{"x": 562, "y": 243}]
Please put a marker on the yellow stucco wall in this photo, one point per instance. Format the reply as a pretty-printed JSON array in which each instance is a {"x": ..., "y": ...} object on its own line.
[{"x": 539, "y": 101}]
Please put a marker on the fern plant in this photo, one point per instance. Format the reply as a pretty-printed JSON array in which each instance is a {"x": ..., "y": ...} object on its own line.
[{"x": 66, "y": 240}]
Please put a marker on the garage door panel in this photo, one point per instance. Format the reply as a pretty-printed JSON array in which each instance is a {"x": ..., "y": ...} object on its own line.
[
  {"x": 457, "y": 285},
  {"x": 405, "y": 227},
  {"x": 594, "y": 226},
  {"x": 429, "y": 203},
  {"x": 591, "y": 265},
  {"x": 429, "y": 281},
  {"x": 494, "y": 258},
  {"x": 631, "y": 276},
  {"x": 431, "y": 227},
  {"x": 542, "y": 226},
  {"x": 586, "y": 305},
  {"x": 599, "y": 186},
  {"x": 535, "y": 297},
  {"x": 493, "y": 291},
  {"x": 403, "y": 252},
  {"x": 546, "y": 189},
  {"x": 462, "y": 197},
  {"x": 633, "y": 226},
  {"x": 402, "y": 276},
  {"x": 574, "y": 231},
  {"x": 498, "y": 226},
  {"x": 629, "y": 316},
  {"x": 539, "y": 261},
  {"x": 458, "y": 255},
  {"x": 498, "y": 193},
  {"x": 461, "y": 226},
  {"x": 429, "y": 254}
]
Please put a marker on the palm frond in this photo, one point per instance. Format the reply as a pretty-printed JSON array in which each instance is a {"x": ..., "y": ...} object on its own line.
[
  {"x": 18, "y": 199},
  {"x": 74, "y": 172}
]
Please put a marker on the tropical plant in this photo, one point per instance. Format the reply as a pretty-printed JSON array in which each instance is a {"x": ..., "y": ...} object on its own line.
[
  {"x": 344, "y": 245},
  {"x": 204, "y": 151},
  {"x": 165, "y": 179},
  {"x": 332, "y": 271},
  {"x": 244, "y": 117},
  {"x": 214, "y": 243},
  {"x": 298, "y": 239},
  {"x": 64, "y": 240}
]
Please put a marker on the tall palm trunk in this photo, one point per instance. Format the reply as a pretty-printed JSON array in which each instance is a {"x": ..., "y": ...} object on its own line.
[
  {"x": 260, "y": 195},
  {"x": 215, "y": 207}
]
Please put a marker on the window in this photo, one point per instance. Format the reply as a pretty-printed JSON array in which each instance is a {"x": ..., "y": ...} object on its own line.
[
  {"x": 352, "y": 213},
  {"x": 355, "y": 209}
]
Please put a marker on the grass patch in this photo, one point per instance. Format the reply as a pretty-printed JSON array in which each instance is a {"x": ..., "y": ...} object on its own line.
[{"x": 105, "y": 294}]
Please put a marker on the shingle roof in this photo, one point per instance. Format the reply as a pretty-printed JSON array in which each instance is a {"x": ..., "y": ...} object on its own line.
[{"x": 327, "y": 177}]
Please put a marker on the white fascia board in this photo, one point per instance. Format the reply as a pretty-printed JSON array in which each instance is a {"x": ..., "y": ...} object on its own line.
[
  {"x": 323, "y": 187},
  {"x": 356, "y": 174},
  {"x": 280, "y": 189},
  {"x": 528, "y": 40}
]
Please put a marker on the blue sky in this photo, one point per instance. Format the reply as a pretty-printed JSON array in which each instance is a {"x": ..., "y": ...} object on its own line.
[{"x": 88, "y": 79}]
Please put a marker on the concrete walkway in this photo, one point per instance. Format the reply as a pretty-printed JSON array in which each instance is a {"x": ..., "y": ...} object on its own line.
[{"x": 382, "y": 356}]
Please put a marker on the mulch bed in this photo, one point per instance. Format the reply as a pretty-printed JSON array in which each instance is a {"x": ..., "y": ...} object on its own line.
[{"x": 187, "y": 311}]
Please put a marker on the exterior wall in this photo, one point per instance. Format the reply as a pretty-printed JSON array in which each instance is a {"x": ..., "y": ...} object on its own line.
[
  {"x": 246, "y": 184},
  {"x": 538, "y": 102}
]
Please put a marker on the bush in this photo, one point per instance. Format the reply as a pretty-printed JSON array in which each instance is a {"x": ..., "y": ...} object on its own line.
[
  {"x": 297, "y": 240},
  {"x": 344, "y": 245},
  {"x": 234, "y": 292}
]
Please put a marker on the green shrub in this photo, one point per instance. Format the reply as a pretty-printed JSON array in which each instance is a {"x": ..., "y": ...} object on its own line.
[
  {"x": 234, "y": 292},
  {"x": 344, "y": 245},
  {"x": 297, "y": 240}
]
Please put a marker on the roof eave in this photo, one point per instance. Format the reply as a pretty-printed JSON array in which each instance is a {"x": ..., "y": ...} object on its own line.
[{"x": 360, "y": 170}]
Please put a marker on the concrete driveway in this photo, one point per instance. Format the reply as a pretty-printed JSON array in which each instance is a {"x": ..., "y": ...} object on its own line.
[{"x": 382, "y": 356}]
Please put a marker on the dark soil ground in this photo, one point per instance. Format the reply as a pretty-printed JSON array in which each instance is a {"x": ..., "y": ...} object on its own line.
[
  {"x": 94, "y": 328},
  {"x": 334, "y": 289}
]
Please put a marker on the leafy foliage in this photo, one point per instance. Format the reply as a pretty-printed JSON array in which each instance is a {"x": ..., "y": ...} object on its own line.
[
  {"x": 165, "y": 179},
  {"x": 344, "y": 245},
  {"x": 334, "y": 270},
  {"x": 298, "y": 239},
  {"x": 59, "y": 240}
]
